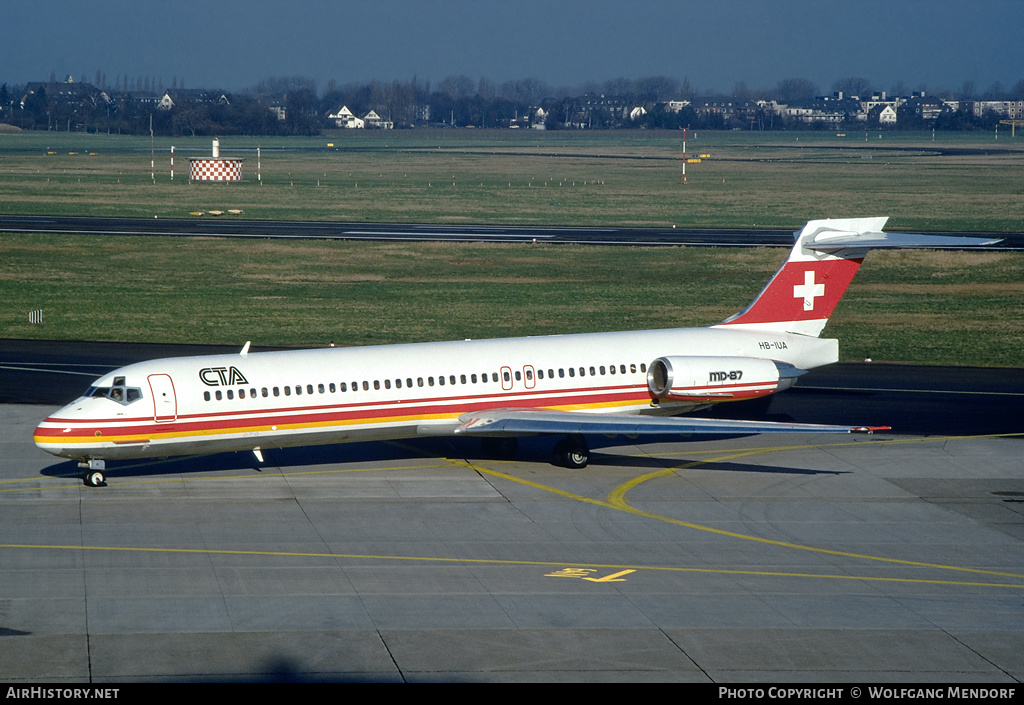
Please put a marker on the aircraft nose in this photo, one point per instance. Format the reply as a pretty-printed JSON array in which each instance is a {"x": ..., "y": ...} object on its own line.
[{"x": 50, "y": 434}]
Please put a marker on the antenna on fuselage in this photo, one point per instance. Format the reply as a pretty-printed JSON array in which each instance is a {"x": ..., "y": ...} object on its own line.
[{"x": 245, "y": 348}]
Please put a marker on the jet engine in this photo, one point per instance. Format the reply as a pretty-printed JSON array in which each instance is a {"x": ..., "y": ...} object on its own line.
[{"x": 711, "y": 379}]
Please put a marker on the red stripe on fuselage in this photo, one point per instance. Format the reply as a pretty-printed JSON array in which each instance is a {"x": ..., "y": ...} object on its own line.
[{"x": 232, "y": 421}]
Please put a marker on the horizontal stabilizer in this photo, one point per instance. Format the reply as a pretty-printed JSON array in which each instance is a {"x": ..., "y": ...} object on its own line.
[
  {"x": 827, "y": 240},
  {"x": 521, "y": 422}
]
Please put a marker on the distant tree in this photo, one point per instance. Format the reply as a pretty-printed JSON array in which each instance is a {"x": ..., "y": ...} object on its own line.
[
  {"x": 995, "y": 92},
  {"x": 853, "y": 86},
  {"x": 686, "y": 92},
  {"x": 792, "y": 90}
]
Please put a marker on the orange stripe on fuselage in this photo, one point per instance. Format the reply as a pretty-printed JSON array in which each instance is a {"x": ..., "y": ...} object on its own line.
[{"x": 367, "y": 414}]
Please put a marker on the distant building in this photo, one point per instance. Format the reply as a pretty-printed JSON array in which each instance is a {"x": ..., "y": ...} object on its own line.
[
  {"x": 344, "y": 117},
  {"x": 1013, "y": 109},
  {"x": 181, "y": 95},
  {"x": 675, "y": 106},
  {"x": 882, "y": 114},
  {"x": 374, "y": 121}
]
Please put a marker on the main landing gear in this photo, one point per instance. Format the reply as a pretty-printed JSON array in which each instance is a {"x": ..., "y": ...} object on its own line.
[
  {"x": 572, "y": 452},
  {"x": 93, "y": 475}
]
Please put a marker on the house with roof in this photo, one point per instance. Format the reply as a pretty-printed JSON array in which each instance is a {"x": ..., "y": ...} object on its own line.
[
  {"x": 192, "y": 95},
  {"x": 374, "y": 121},
  {"x": 344, "y": 117}
]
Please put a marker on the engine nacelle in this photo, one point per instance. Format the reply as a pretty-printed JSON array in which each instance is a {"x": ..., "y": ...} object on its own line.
[{"x": 710, "y": 379}]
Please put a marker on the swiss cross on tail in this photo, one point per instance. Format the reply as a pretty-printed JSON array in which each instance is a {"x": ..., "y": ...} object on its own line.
[{"x": 808, "y": 290}]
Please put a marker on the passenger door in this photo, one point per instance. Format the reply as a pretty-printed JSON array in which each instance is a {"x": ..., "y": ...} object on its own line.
[{"x": 165, "y": 404}]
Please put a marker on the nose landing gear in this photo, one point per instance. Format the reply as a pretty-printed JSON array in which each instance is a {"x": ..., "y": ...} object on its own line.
[{"x": 93, "y": 475}]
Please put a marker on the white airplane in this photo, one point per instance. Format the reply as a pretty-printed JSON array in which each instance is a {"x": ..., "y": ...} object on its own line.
[{"x": 620, "y": 383}]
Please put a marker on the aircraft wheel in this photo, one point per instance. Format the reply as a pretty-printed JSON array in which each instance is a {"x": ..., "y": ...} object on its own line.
[
  {"x": 572, "y": 453},
  {"x": 95, "y": 478}
]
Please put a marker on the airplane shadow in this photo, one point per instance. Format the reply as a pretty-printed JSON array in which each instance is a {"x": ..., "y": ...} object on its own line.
[{"x": 530, "y": 450}]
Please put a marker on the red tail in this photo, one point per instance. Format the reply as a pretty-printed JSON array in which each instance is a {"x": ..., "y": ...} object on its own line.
[{"x": 804, "y": 292}]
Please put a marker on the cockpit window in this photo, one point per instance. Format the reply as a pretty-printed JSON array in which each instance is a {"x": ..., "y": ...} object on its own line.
[{"x": 120, "y": 393}]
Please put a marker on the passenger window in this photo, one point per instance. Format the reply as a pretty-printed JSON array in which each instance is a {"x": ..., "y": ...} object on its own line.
[
  {"x": 430, "y": 381},
  {"x": 592, "y": 370},
  {"x": 277, "y": 391},
  {"x": 632, "y": 368},
  {"x": 287, "y": 391},
  {"x": 241, "y": 394},
  {"x": 561, "y": 372},
  {"x": 622, "y": 369},
  {"x": 419, "y": 381},
  {"x": 376, "y": 384},
  {"x": 206, "y": 396},
  {"x": 319, "y": 388},
  {"x": 572, "y": 371},
  {"x": 440, "y": 380},
  {"x": 331, "y": 387},
  {"x": 366, "y": 386},
  {"x": 505, "y": 376},
  {"x": 263, "y": 391},
  {"x": 462, "y": 378},
  {"x": 231, "y": 394},
  {"x": 398, "y": 384},
  {"x": 643, "y": 366},
  {"x": 298, "y": 389},
  {"x": 540, "y": 374},
  {"x": 473, "y": 377},
  {"x": 343, "y": 387},
  {"x": 218, "y": 395}
]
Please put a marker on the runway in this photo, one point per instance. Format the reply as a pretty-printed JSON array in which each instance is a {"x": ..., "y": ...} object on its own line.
[
  {"x": 807, "y": 558},
  {"x": 232, "y": 226}
]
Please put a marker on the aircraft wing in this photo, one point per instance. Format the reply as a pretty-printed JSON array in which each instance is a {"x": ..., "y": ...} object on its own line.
[{"x": 521, "y": 422}]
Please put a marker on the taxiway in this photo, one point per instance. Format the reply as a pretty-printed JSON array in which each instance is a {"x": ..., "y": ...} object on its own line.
[{"x": 805, "y": 558}]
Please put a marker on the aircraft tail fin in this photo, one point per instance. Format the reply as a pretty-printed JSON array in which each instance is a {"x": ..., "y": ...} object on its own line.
[{"x": 806, "y": 289}]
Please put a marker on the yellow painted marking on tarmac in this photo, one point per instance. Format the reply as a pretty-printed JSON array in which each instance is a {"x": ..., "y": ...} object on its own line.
[
  {"x": 616, "y": 500},
  {"x": 613, "y": 578},
  {"x": 495, "y": 561},
  {"x": 571, "y": 572}
]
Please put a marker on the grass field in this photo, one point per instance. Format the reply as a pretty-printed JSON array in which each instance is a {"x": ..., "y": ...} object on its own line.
[
  {"x": 959, "y": 308},
  {"x": 929, "y": 307},
  {"x": 957, "y": 182}
]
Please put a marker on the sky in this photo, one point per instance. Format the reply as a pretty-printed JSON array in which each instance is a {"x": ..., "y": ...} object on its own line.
[{"x": 715, "y": 44}]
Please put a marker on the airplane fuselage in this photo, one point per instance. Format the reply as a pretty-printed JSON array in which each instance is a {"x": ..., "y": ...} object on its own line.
[{"x": 220, "y": 403}]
